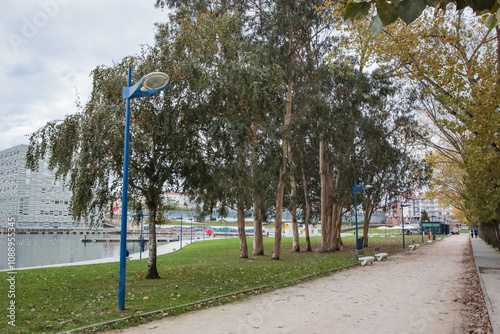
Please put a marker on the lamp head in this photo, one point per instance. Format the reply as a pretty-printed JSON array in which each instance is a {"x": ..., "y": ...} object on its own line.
[
  {"x": 368, "y": 186},
  {"x": 155, "y": 80}
]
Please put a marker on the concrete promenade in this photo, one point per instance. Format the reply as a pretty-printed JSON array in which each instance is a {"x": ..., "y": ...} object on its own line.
[
  {"x": 488, "y": 268},
  {"x": 412, "y": 292}
]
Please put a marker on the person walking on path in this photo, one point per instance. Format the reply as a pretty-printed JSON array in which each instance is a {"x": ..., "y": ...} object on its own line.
[
  {"x": 475, "y": 232},
  {"x": 472, "y": 233}
]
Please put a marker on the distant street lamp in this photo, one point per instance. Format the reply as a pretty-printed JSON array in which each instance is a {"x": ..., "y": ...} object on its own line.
[
  {"x": 180, "y": 239},
  {"x": 191, "y": 219},
  {"x": 149, "y": 84},
  {"x": 140, "y": 241},
  {"x": 421, "y": 228},
  {"x": 403, "y": 222},
  {"x": 356, "y": 189}
]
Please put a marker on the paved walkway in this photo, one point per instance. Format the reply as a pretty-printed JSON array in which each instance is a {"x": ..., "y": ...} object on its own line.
[
  {"x": 412, "y": 292},
  {"x": 488, "y": 268}
]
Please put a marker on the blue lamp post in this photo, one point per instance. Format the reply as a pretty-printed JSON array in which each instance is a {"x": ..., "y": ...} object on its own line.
[
  {"x": 149, "y": 84},
  {"x": 403, "y": 222},
  {"x": 180, "y": 239},
  {"x": 140, "y": 241},
  {"x": 356, "y": 189}
]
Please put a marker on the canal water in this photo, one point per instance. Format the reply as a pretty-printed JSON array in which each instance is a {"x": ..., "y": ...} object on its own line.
[{"x": 46, "y": 249}]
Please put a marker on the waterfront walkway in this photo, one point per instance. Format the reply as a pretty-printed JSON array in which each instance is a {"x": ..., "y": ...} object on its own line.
[
  {"x": 162, "y": 250},
  {"x": 488, "y": 268}
]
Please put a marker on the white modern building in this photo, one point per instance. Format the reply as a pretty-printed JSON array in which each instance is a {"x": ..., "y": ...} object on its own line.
[
  {"x": 34, "y": 198},
  {"x": 178, "y": 200},
  {"x": 420, "y": 203}
]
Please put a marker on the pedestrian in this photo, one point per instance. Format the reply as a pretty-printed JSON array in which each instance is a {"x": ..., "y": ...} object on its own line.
[
  {"x": 472, "y": 233},
  {"x": 475, "y": 232}
]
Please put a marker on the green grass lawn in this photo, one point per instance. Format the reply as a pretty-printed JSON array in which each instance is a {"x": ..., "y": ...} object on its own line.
[{"x": 58, "y": 299}]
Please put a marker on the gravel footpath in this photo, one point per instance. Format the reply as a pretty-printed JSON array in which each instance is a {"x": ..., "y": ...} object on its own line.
[{"x": 417, "y": 291}]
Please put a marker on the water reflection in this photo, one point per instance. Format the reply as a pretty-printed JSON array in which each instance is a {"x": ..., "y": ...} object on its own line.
[{"x": 46, "y": 249}]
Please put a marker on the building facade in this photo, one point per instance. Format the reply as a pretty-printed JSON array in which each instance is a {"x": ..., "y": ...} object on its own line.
[
  {"x": 435, "y": 211},
  {"x": 416, "y": 205},
  {"x": 34, "y": 198}
]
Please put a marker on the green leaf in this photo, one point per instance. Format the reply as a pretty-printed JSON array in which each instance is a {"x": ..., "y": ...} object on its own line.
[
  {"x": 410, "y": 10},
  {"x": 356, "y": 11},
  {"x": 376, "y": 25},
  {"x": 491, "y": 21},
  {"x": 386, "y": 12},
  {"x": 479, "y": 5}
]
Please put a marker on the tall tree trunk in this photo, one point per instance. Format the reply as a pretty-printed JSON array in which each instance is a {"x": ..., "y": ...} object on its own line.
[
  {"x": 281, "y": 183},
  {"x": 241, "y": 213},
  {"x": 258, "y": 242},
  {"x": 241, "y": 230},
  {"x": 324, "y": 195},
  {"x": 293, "y": 209},
  {"x": 152, "y": 270},
  {"x": 308, "y": 210},
  {"x": 337, "y": 220},
  {"x": 366, "y": 222}
]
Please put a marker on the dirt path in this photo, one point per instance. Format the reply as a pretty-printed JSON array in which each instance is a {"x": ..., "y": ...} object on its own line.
[{"x": 413, "y": 292}]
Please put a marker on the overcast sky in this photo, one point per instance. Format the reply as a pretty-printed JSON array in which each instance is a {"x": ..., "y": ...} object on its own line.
[{"x": 48, "y": 49}]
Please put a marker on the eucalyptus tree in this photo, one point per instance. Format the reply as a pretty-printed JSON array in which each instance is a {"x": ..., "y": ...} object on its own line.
[
  {"x": 86, "y": 149},
  {"x": 292, "y": 35},
  {"x": 388, "y": 155},
  {"x": 240, "y": 91},
  {"x": 295, "y": 37}
]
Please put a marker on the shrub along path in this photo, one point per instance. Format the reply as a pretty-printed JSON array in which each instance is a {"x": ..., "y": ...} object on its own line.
[{"x": 413, "y": 292}]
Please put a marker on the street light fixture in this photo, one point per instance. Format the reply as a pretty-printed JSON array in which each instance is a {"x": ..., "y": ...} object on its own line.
[
  {"x": 191, "y": 219},
  {"x": 421, "y": 226},
  {"x": 403, "y": 222},
  {"x": 356, "y": 189},
  {"x": 148, "y": 85}
]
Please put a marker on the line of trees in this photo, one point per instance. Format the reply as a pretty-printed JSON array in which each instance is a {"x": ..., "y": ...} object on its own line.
[
  {"x": 452, "y": 59},
  {"x": 256, "y": 119}
]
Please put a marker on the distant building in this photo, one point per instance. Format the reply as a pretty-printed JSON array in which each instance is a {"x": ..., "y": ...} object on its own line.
[
  {"x": 34, "y": 199},
  {"x": 378, "y": 217},
  {"x": 416, "y": 205},
  {"x": 178, "y": 200}
]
